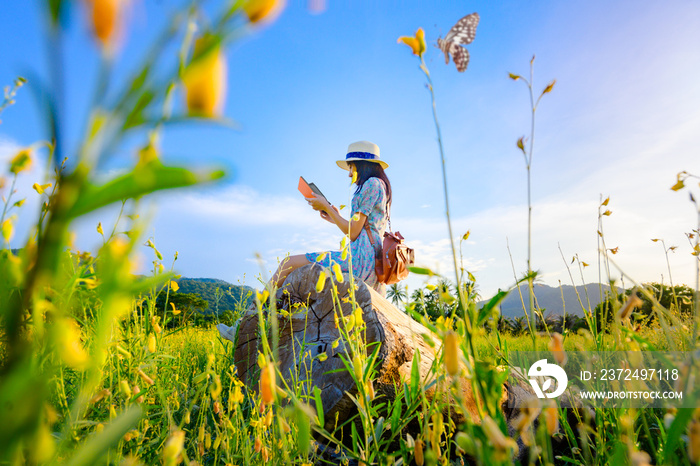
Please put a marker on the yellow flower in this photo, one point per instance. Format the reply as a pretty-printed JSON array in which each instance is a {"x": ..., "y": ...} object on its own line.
[
  {"x": 237, "y": 396},
  {"x": 632, "y": 302},
  {"x": 7, "y": 229},
  {"x": 640, "y": 458},
  {"x": 173, "y": 447},
  {"x": 496, "y": 436},
  {"x": 174, "y": 286},
  {"x": 268, "y": 383},
  {"x": 263, "y": 10},
  {"x": 338, "y": 272},
  {"x": 125, "y": 389},
  {"x": 215, "y": 387},
  {"x": 551, "y": 418},
  {"x": 451, "y": 353},
  {"x": 21, "y": 161},
  {"x": 418, "y": 452},
  {"x": 105, "y": 19},
  {"x": 416, "y": 43},
  {"x": 40, "y": 188},
  {"x": 262, "y": 297},
  {"x": 357, "y": 366},
  {"x": 137, "y": 390},
  {"x": 99, "y": 396},
  {"x": 357, "y": 313},
  {"x": 144, "y": 377},
  {"x": 205, "y": 79},
  {"x": 151, "y": 343},
  {"x": 321, "y": 282},
  {"x": 694, "y": 441},
  {"x": 556, "y": 346},
  {"x": 528, "y": 413},
  {"x": 285, "y": 426},
  {"x": 68, "y": 344},
  {"x": 147, "y": 154},
  {"x": 156, "y": 325}
]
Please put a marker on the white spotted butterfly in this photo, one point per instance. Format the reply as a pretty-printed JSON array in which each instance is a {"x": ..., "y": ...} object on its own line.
[{"x": 462, "y": 33}]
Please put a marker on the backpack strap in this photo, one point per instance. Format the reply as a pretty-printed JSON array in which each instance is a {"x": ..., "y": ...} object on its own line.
[
  {"x": 377, "y": 252},
  {"x": 380, "y": 265}
]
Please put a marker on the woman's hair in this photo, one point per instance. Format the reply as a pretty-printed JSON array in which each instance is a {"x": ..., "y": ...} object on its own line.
[{"x": 366, "y": 170}]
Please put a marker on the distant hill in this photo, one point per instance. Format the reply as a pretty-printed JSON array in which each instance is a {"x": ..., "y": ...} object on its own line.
[
  {"x": 550, "y": 299},
  {"x": 206, "y": 288}
]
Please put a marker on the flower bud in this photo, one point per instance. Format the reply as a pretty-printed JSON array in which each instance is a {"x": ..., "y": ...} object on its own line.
[
  {"x": 205, "y": 80},
  {"x": 632, "y": 302},
  {"x": 105, "y": 17},
  {"x": 551, "y": 419},
  {"x": 338, "y": 273},
  {"x": 151, "y": 343},
  {"x": 694, "y": 441},
  {"x": 145, "y": 377},
  {"x": 321, "y": 282},
  {"x": 418, "y": 452},
  {"x": 357, "y": 366},
  {"x": 21, "y": 161},
  {"x": 451, "y": 352},
  {"x": 173, "y": 447},
  {"x": 263, "y": 10},
  {"x": 268, "y": 383},
  {"x": 125, "y": 389},
  {"x": 556, "y": 346}
]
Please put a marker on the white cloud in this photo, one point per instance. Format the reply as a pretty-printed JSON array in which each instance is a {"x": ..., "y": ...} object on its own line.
[{"x": 245, "y": 207}]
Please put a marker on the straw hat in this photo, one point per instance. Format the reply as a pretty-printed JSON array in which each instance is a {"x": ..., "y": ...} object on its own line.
[{"x": 362, "y": 151}]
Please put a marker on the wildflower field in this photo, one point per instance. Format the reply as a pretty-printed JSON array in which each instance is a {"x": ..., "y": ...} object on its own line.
[{"x": 98, "y": 365}]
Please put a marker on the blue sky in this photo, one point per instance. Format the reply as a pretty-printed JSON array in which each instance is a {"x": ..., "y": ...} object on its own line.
[{"x": 622, "y": 120}]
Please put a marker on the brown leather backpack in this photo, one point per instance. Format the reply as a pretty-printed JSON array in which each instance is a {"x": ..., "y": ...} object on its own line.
[{"x": 393, "y": 259}]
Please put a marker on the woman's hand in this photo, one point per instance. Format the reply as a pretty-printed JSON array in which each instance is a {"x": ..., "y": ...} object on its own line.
[
  {"x": 328, "y": 212},
  {"x": 327, "y": 217},
  {"x": 318, "y": 203}
]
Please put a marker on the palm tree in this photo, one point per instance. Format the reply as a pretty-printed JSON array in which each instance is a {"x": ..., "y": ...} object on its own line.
[{"x": 396, "y": 294}]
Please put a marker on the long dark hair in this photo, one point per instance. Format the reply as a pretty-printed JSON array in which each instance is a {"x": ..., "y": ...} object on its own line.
[{"x": 366, "y": 170}]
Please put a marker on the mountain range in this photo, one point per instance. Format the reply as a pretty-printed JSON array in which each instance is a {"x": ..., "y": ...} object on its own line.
[
  {"x": 232, "y": 297},
  {"x": 554, "y": 300}
]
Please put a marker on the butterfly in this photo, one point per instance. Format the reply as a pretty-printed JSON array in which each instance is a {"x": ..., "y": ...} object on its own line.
[{"x": 462, "y": 33}]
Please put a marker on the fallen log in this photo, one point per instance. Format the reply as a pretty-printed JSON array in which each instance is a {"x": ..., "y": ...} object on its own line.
[{"x": 307, "y": 329}]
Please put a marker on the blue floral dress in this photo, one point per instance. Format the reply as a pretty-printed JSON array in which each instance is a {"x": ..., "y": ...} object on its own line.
[{"x": 371, "y": 201}]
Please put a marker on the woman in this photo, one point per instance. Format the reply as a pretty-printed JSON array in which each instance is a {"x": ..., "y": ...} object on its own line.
[{"x": 371, "y": 201}]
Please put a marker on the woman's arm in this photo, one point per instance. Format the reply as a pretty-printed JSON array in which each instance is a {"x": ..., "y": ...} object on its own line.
[
  {"x": 331, "y": 214},
  {"x": 355, "y": 226}
]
